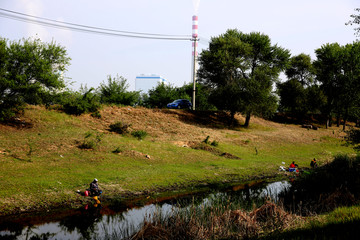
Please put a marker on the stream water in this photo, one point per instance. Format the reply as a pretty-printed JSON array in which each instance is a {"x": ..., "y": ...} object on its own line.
[{"x": 120, "y": 222}]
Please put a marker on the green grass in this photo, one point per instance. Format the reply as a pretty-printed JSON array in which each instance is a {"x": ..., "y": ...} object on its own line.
[
  {"x": 44, "y": 162},
  {"x": 342, "y": 223}
]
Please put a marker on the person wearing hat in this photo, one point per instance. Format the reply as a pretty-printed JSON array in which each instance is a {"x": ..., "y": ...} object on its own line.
[{"x": 94, "y": 188}]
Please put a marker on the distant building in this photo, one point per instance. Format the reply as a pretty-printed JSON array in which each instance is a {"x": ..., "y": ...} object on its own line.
[{"x": 145, "y": 82}]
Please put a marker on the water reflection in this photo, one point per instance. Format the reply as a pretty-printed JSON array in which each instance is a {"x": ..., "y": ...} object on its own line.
[{"x": 95, "y": 222}]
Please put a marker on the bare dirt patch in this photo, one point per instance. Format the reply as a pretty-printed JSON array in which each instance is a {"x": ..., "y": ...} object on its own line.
[{"x": 180, "y": 127}]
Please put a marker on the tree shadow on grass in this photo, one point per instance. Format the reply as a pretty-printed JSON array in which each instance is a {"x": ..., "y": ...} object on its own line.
[{"x": 211, "y": 119}]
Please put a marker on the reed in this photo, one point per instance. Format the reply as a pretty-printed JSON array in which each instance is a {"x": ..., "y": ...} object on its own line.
[{"x": 218, "y": 222}]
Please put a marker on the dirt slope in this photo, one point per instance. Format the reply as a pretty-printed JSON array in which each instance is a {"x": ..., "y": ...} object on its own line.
[{"x": 180, "y": 126}]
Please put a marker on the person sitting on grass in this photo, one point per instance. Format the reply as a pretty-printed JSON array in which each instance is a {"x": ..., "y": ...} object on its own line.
[
  {"x": 313, "y": 163},
  {"x": 292, "y": 167}
]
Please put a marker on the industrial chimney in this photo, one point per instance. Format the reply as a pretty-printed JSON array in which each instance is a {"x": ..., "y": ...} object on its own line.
[{"x": 194, "y": 53}]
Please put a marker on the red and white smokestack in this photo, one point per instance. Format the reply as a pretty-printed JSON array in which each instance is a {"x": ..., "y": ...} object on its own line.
[
  {"x": 195, "y": 27},
  {"x": 195, "y": 34},
  {"x": 194, "y": 53}
]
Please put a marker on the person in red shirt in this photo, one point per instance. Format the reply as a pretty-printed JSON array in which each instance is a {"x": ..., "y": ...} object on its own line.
[{"x": 292, "y": 165}]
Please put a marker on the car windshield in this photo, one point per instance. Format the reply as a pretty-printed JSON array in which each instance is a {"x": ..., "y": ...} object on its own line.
[{"x": 177, "y": 101}]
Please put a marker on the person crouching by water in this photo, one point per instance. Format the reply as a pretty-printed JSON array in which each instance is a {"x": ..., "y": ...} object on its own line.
[
  {"x": 95, "y": 192},
  {"x": 94, "y": 188},
  {"x": 313, "y": 163}
]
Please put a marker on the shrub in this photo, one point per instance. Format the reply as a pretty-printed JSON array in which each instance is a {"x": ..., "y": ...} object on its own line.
[
  {"x": 90, "y": 141},
  {"x": 115, "y": 92},
  {"x": 140, "y": 134},
  {"x": 117, "y": 150},
  {"x": 77, "y": 103},
  {"x": 214, "y": 143},
  {"x": 96, "y": 114},
  {"x": 206, "y": 140},
  {"x": 353, "y": 137},
  {"x": 120, "y": 127}
]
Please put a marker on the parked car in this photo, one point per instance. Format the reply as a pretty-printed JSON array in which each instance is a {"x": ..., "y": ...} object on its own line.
[{"x": 180, "y": 103}]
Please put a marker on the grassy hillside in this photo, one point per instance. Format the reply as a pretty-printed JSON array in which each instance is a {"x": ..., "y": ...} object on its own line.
[{"x": 42, "y": 165}]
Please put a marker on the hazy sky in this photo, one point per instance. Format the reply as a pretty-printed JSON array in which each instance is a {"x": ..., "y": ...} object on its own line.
[{"x": 300, "y": 26}]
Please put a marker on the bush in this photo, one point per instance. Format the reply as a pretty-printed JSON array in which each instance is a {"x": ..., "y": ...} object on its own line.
[
  {"x": 353, "y": 137},
  {"x": 78, "y": 103},
  {"x": 140, "y": 134},
  {"x": 96, "y": 114},
  {"x": 117, "y": 150},
  {"x": 206, "y": 140},
  {"x": 115, "y": 92},
  {"x": 214, "y": 143},
  {"x": 90, "y": 141},
  {"x": 120, "y": 127}
]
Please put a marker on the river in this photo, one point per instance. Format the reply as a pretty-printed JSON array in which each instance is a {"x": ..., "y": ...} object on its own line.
[{"x": 121, "y": 221}]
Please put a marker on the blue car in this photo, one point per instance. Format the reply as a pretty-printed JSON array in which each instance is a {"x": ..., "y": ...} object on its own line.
[{"x": 180, "y": 103}]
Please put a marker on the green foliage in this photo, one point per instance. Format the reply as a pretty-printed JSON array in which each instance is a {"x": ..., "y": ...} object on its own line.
[
  {"x": 115, "y": 92},
  {"x": 163, "y": 94},
  {"x": 355, "y": 21},
  {"x": 353, "y": 137},
  {"x": 120, "y": 127},
  {"x": 118, "y": 150},
  {"x": 91, "y": 141},
  {"x": 299, "y": 95},
  {"x": 201, "y": 96},
  {"x": 206, "y": 140},
  {"x": 96, "y": 114},
  {"x": 338, "y": 71},
  {"x": 139, "y": 134},
  {"x": 29, "y": 73},
  {"x": 300, "y": 68},
  {"x": 77, "y": 103},
  {"x": 213, "y": 143},
  {"x": 240, "y": 69}
]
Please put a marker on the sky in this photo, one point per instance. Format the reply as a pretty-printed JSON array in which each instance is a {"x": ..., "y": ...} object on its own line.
[{"x": 299, "y": 26}]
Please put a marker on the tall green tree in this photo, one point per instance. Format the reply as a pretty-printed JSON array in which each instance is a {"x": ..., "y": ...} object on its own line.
[
  {"x": 329, "y": 73},
  {"x": 241, "y": 70},
  {"x": 350, "y": 92},
  {"x": 29, "y": 69},
  {"x": 300, "y": 94},
  {"x": 115, "y": 92},
  {"x": 301, "y": 68},
  {"x": 338, "y": 71}
]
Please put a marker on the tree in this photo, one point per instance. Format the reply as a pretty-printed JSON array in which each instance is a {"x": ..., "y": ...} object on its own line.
[
  {"x": 292, "y": 97},
  {"x": 115, "y": 92},
  {"x": 300, "y": 94},
  {"x": 350, "y": 92},
  {"x": 338, "y": 70},
  {"x": 29, "y": 69},
  {"x": 355, "y": 20},
  {"x": 328, "y": 73},
  {"x": 163, "y": 94},
  {"x": 241, "y": 69},
  {"x": 300, "y": 68},
  {"x": 202, "y": 95}
]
